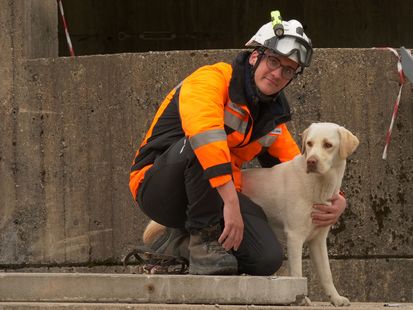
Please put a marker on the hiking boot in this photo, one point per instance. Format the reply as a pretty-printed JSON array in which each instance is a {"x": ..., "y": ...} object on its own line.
[
  {"x": 173, "y": 242},
  {"x": 207, "y": 256}
]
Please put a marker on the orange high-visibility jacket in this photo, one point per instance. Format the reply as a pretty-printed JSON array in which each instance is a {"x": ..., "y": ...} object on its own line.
[{"x": 210, "y": 109}]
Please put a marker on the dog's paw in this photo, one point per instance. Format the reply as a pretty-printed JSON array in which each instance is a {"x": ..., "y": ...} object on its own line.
[
  {"x": 340, "y": 301},
  {"x": 302, "y": 300},
  {"x": 306, "y": 301}
]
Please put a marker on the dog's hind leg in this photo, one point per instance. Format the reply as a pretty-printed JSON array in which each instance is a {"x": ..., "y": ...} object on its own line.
[{"x": 319, "y": 257}]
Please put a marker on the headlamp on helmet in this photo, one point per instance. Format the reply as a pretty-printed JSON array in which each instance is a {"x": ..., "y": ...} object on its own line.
[{"x": 277, "y": 24}]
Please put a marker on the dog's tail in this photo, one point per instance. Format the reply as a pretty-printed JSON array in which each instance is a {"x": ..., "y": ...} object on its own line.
[{"x": 152, "y": 231}]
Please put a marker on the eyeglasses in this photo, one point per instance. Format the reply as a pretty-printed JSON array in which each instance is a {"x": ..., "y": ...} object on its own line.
[{"x": 274, "y": 63}]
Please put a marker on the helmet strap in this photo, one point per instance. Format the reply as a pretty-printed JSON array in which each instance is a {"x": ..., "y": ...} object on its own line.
[{"x": 260, "y": 50}]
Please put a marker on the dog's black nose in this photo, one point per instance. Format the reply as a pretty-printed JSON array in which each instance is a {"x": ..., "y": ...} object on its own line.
[{"x": 311, "y": 165}]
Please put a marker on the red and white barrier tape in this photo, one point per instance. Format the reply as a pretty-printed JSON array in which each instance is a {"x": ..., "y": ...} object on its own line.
[
  {"x": 396, "y": 104},
  {"x": 69, "y": 42},
  {"x": 393, "y": 117}
]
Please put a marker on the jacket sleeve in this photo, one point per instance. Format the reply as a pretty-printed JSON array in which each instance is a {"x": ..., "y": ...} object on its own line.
[
  {"x": 284, "y": 147},
  {"x": 202, "y": 100}
]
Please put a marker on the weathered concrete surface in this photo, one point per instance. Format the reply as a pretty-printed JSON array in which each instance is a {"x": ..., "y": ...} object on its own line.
[
  {"x": 73, "y": 290},
  {"x": 92, "y": 306},
  {"x": 359, "y": 279},
  {"x": 27, "y": 30},
  {"x": 178, "y": 289}
]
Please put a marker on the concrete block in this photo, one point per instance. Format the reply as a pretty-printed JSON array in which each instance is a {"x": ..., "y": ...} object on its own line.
[
  {"x": 64, "y": 287},
  {"x": 385, "y": 280}
]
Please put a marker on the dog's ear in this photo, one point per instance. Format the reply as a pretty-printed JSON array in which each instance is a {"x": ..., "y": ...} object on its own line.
[
  {"x": 304, "y": 140},
  {"x": 348, "y": 142}
]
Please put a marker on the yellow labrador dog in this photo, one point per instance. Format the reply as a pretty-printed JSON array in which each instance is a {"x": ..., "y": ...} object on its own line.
[{"x": 287, "y": 193}]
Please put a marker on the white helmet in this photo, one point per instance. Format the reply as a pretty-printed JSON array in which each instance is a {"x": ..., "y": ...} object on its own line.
[{"x": 291, "y": 41}]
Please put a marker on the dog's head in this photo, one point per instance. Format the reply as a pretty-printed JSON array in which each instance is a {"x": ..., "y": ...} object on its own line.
[{"x": 325, "y": 145}]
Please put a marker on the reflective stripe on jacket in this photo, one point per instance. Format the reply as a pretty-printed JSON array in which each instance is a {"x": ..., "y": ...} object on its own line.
[{"x": 219, "y": 126}]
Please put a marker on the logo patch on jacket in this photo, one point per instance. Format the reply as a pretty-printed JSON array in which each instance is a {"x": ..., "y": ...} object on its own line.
[{"x": 276, "y": 131}]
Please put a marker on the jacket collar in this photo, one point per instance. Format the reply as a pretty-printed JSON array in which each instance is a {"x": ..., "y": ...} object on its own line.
[{"x": 237, "y": 93}]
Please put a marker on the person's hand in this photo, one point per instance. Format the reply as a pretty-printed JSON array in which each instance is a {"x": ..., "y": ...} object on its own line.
[
  {"x": 329, "y": 215},
  {"x": 233, "y": 232}
]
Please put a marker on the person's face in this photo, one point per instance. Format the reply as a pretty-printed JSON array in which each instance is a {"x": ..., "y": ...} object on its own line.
[{"x": 268, "y": 77}]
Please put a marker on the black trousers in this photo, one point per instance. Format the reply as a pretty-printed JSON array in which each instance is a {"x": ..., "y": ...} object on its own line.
[{"x": 175, "y": 193}]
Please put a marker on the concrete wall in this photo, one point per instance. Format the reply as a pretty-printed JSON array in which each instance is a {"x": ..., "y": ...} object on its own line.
[
  {"x": 27, "y": 30},
  {"x": 78, "y": 122},
  {"x": 70, "y": 126}
]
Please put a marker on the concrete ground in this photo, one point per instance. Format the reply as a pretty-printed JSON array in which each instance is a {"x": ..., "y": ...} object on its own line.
[
  {"x": 148, "y": 288},
  {"x": 32, "y": 291},
  {"x": 105, "y": 306}
]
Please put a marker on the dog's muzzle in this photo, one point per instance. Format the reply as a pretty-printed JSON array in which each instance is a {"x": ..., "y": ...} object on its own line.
[{"x": 311, "y": 165}]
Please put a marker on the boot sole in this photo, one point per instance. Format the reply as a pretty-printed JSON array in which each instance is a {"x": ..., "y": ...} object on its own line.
[{"x": 210, "y": 270}]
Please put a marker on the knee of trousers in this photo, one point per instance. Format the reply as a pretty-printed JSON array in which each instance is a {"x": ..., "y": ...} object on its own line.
[{"x": 267, "y": 263}]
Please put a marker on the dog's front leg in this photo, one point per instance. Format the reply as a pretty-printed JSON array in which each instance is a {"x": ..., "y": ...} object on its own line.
[
  {"x": 295, "y": 244},
  {"x": 319, "y": 257},
  {"x": 295, "y": 250}
]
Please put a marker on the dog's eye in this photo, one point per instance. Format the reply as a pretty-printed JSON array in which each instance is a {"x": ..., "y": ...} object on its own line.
[
  {"x": 309, "y": 143},
  {"x": 328, "y": 145}
]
